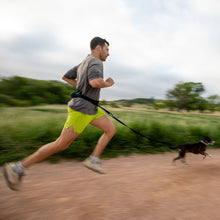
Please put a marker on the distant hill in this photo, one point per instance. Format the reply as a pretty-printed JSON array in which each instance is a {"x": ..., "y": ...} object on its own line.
[
  {"x": 146, "y": 101},
  {"x": 21, "y": 91}
]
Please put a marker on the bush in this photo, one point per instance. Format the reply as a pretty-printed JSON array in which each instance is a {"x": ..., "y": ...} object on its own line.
[{"x": 114, "y": 105}]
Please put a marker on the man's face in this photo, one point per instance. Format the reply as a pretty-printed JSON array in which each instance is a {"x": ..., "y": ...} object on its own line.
[{"x": 104, "y": 52}]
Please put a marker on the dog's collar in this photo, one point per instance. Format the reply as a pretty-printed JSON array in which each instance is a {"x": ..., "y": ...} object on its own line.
[{"x": 204, "y": 142}]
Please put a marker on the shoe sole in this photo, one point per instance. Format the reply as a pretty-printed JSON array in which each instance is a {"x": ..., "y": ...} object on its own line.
[{"x": 9, "y": 184}]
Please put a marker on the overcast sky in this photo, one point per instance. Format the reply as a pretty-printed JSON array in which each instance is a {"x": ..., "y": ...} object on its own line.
[{"x": 154, "y": 44}]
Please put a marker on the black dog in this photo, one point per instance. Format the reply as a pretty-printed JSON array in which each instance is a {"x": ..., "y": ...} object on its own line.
[{"x": 196, "y": 148}]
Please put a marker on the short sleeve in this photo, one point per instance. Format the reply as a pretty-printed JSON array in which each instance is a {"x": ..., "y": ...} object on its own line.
[
  {"x": 72, "y": 73},
  {"x": 95, "y": 71}
]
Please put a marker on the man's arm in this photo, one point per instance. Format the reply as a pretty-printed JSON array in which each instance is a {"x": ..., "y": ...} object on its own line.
[
  {"x": 72, "y": 82},
  {"x": 70, "y": 76},
  {"x": 100, "y": 83}
]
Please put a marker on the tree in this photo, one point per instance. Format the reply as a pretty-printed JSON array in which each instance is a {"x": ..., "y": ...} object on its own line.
[
  {"x": 186, "y": 95},
  {"x": 213, "y": 102}
]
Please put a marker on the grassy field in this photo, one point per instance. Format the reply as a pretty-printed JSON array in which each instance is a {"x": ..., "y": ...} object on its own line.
[{"x": 24, "y": 130}]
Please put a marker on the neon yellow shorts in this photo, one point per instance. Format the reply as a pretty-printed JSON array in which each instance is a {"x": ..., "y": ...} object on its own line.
[{"x": 80, "y": 120}]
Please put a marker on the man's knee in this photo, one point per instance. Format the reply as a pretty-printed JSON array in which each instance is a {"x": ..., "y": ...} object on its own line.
[
  {"x": 62, "y": 143},
  {"x": 111, "y": 131},
  {"x": 66, "y": 138}
]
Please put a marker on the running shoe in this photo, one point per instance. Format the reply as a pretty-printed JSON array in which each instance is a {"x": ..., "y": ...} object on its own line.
[
  {"x": 94, "y": 166},
  {"x": 13, "y": 179}
]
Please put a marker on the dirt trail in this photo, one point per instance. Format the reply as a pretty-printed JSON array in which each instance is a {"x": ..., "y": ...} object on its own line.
[{"x": 136, "y": 187}]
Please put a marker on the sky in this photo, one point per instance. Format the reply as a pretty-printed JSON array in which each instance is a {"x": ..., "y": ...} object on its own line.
[{"x": 154, "y": 44}]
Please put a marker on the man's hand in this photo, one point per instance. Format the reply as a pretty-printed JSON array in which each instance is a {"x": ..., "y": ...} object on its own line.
[
  {"x": 100, "y": 83},
  {"x": 109, "y": 81}
]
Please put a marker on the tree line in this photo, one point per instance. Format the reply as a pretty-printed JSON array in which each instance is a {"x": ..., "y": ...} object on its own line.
[{"x": 21, "y": 91}]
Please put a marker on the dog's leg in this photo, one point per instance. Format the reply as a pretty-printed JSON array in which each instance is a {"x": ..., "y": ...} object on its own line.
[
  {"x": 174, "y": 160},
  {"x": 177, "y": 158},
  {"x": 206, "y": 154},
  {"x": 184, "y": 161},
  {"x": 182, "y": 156}
]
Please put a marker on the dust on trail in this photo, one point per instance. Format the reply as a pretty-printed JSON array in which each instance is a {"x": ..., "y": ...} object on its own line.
[{"x": 136, "y": 187}]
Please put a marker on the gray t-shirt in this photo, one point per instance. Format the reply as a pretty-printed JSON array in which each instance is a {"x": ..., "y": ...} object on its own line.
[{"x": 90, "y": 68}]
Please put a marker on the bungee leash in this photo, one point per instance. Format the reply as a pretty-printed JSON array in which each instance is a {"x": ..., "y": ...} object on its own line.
[{"x": 77, "y": 94}]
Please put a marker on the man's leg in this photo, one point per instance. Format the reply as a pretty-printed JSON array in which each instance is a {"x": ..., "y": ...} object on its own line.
[
  {"x": 109, "y": 129},
  {"x": 13, "y": 172},
  {"x": 66, "y": 138},
  {"x": 93, "y": 162}
]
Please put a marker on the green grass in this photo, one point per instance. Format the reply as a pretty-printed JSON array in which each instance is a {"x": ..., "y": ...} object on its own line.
[{"x": 24, "y": 130}]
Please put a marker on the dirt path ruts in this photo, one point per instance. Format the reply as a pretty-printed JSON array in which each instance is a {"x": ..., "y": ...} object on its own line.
[{"x": 136, "y": 187}]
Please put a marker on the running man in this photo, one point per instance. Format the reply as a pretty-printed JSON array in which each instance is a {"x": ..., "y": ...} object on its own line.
[{"x": 87, "y": 77}]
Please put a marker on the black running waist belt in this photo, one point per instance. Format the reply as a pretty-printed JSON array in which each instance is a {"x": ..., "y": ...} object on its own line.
[{"x": 79, "y": 94}]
